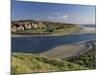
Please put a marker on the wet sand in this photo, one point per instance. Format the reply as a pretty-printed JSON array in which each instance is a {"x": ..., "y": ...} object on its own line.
[{"x": 66, "y": 50}]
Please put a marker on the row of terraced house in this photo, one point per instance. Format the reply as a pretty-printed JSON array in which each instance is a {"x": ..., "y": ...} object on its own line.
[{"x": 21, "y": 26}]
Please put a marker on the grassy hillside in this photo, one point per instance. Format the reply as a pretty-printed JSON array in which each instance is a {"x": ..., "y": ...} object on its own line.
[
  {"x": 88, "y": 59},
  {"x": 50, "y": 28},
  {"x": 29, "y": 63}
]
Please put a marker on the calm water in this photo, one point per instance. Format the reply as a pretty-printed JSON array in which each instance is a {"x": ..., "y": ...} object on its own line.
[
  {"x": 43, "y": 43},
  {"x": 88, "y": 26}
]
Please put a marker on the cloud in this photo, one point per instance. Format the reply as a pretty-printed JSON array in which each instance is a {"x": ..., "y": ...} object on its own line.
[
  {"x": 50, "y": 17},
  {"x": 58, "y": 17},
  {"x": 64, "y": 17}
]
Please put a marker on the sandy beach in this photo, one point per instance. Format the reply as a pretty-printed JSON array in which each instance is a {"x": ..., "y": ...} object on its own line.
[
  {"x": 64, "y": 51},
  {"x": 88, "y": 30}
]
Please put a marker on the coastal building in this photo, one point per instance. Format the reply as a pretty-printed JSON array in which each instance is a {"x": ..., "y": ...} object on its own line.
[
  {"x": 41, "y": 25},
  {"x": 24, "y": 25},
  {"x": 28, "y": 26},
  {"x": 36, "y": 26},
  {"x": 13, "y": 28},
  {"x": 20, "y": 28}
]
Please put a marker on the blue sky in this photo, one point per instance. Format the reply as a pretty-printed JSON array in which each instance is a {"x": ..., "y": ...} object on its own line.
[{"x": 67, "y": 13}]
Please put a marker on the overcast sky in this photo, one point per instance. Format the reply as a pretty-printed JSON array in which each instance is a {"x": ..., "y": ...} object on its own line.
[{"x": 78, "y": 14}]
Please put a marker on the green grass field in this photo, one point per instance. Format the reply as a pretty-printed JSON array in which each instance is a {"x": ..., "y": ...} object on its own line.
[{"x": 30, "y": 63}]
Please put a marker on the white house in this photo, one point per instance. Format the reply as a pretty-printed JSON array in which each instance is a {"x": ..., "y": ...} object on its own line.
[
  {"x": 20, "y": 28},
  {"x": 13, "y": 28}
]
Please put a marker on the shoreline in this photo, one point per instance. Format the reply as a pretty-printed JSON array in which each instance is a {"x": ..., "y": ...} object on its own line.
[
  {"x": 82, "y": 31},
  {"x": 66, "y": 51}
]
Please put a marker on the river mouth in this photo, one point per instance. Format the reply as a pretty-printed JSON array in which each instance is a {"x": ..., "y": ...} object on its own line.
[{"x": 39, "y": 44}]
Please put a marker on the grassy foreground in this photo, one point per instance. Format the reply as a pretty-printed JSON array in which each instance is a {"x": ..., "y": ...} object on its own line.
[{"x": 30, "y": 63}]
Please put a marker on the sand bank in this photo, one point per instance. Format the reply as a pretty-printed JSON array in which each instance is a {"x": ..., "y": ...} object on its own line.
[{"x": 64, "y": 51}]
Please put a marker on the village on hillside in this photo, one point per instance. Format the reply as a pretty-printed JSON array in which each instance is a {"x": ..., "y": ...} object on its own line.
[
  {"x": 39, "y": 26},
  {"x": 24, "y": 25}
]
